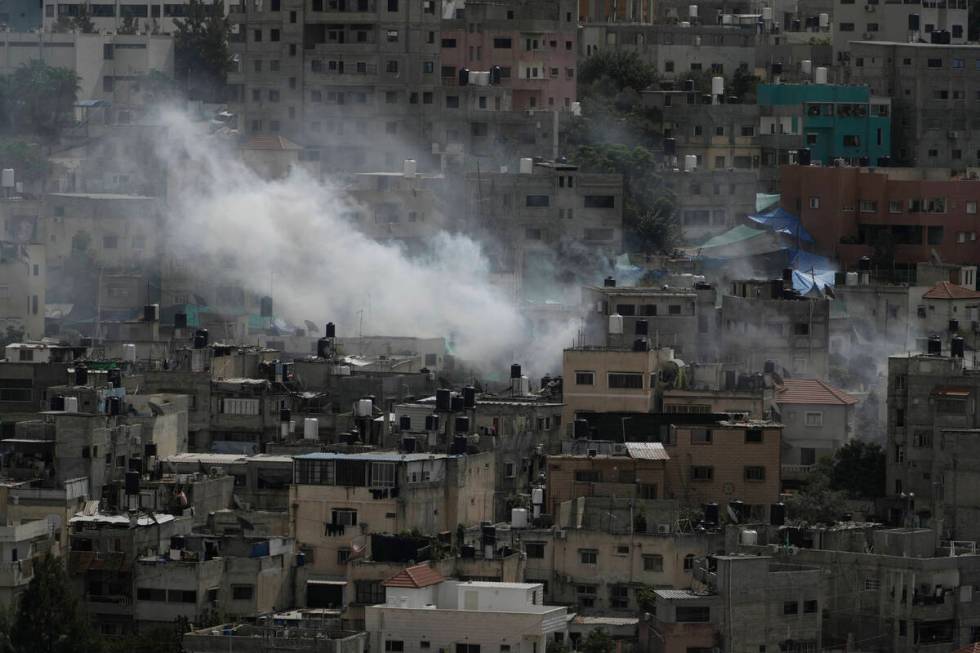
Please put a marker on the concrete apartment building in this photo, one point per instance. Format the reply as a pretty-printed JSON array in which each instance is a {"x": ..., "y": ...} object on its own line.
[
  {"x": 111, "y": 66},
  {"x": 870, "y": 20},
  {"x": 817, "y": 419},
  {"x": 336, "y": 499},
  {"x": 303, "y": 67},
  {"x": 406, "y": 207},
  {"x": 295, "y": 631},
  {"x": 931, "y": 454},
  {"x": 712, "y": 201},
  {"x": 913, "y": 211},
  {"x": 23, "y": 272},
  {"x": 142, "y": 17},
  {"x": 934, "y": 91},
  {"x": 891, "y": 589},
  {"x": 20, "y": 546},
  {"x": 744, "y": 603},
  {"x": 533, "y": 44},
  {"x": 761, "y": 322},
  {"x": 545, "y": 211},
  {"x": 424, "y": 610}
]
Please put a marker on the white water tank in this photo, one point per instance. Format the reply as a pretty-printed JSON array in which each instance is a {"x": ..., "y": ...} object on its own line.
[
  {"x": 527, "y": 166},
  {"x": 692, "y": 11},
  {"x": 615, "y": 324},
  {"x": 409, "y": 168},
  {"x": 749, "y": 537},
  {"x": 685, "y": 23},
  {"x": 71, "y": 404},
  {"x": 767, "y": 13},
  {"x": 717, "y": 85},
  {"x": 363, "y": 408},
  {"x": 480, "y": 78},
  {"x": 806, "y": 67},
  {"x": 690, "y": 162},
  {"x": 821, "y": 75},
  {"x": 284, "y": 430},
  {"x": 576, "y": 108},
  {"x": 726, "y": 19},
  {"x": 7, "y": 178},
  {"x": 851, "y": 279},
  {"x": 129, "y": 353},
  {"x": 518, "y": 518},
  {"x": 537, "y": 496},
  {"x": 311, "y": 429},
  {"x": 824, "y": 21},
  {"x": 524, "y": 387}
]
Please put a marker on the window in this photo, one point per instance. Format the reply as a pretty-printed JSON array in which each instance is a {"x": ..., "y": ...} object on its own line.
[
  {"x": 626, "y": 380},
  {"x": 872, "y": 584},
  {"x": 619, "y": 597},
  {"x": 586, "y": 595},
  {"x": 600, "y": 201},
  {"x": 110, "y": 242},
  {"x": 584, "y": 378},
  {"x": 107, "y": 52},
  {"x": 814, "y": 202},
  {"x": 971, "y": 207},
  {"x": 534, "y": 550},
  {"x": 847, "y": 27},
  {"x": 647, "y": 490},
  {"x": 588, "y": 476},
  {"x": 107, "y": 84},
  {"x": 626, "y": 309},
  {"x": 702, "y": 473},
  {"x": 449, "y": 43},
  {"x": 812, "y": 418},
  {"x": 701, "y": 436},
  {"x": 428, "y": 67},
  {"x": 502, "y": 43},
  {"x": 693, "y": 614},
  {"x": 391, "y": 36},
  {"x": 808, "y": 456},
  {"x": 588, "y": 556},
  {"x": 653, "y": 562},
  {"x": 801, "y": 329},
  {"x": 370, "y": 592},
  {"x": 242, "y": 592},
  {"x": 791, "y": 607},
  {"x": 273, "y": 35},
  {"x": 753, "y": 436},
  {"x": 755, "y": 473},
  {"x": 394, "y": 646},
  {"x": 810, "y": 607},
  {"x": 537, "y": 201},
  {"x": 257, "y": 36},
  {"x": 344, "y": 517},
  {"x": 934, "y": 63}
]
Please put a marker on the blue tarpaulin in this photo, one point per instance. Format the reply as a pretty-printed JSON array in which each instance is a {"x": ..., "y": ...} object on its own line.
[
  {"x": 783, "y": 222},
  {"x": 811, "y": 271}
]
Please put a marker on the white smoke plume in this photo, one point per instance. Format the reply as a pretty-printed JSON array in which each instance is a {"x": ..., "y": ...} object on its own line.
[{"x": 290, "y": 235}]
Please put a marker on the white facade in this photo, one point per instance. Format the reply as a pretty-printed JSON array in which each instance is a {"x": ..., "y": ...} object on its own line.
[
  {"x": 870, "y": 20},
  {"x": 465, "y": 617}
]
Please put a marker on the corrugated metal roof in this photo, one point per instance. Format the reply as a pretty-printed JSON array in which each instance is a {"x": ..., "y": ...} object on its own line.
[
  {"x": 605, "y": 621},
  {"x": 647, "y": 450},
  {"x": 680, "y": 594},
  {"x": 415, "y": 577},
  {"x": 812, "y": 391},
  {"x": 385, "y": 457}
]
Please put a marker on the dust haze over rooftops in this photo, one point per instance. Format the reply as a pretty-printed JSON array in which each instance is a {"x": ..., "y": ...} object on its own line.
[{"x": 290, "y": 235}]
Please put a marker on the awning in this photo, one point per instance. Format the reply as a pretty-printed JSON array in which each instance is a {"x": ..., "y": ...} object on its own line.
[
  {"x": 326, "y": 582},
  {"x": 957, "y": 391}
]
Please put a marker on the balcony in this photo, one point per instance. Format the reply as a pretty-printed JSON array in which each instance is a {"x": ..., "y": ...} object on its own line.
[
  {"x": 797, "y": 470},
  {"x": 16, "y": 574}
]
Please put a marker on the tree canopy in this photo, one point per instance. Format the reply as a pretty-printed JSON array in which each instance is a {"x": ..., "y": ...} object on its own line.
[
  {"x": 859, "y": 470},
  {"x": 202, "y": 59},
  {"x": 39, "y": 99}
]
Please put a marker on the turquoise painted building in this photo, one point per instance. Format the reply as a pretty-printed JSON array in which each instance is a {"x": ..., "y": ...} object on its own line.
[{"x": 833, "y": 121}]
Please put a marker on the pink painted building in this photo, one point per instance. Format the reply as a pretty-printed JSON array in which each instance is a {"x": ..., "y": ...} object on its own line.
[{"x": 533, "y": 44}]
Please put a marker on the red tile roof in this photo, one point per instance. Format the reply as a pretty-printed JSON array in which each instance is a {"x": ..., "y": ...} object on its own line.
[
  {"x": 418, "y": 576},
  {"x": 812, "y": 391},
  {"x": 947, "y": 290}
]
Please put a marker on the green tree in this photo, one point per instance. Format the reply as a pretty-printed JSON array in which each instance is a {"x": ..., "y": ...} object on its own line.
[
  {"x": 646, "y": 598},
  {"x": 859, "y": 470},
  {"x": 817, "y": 502},
  {"x": 41, "y": 99},
  {"x": 25, "y": 157},
  {"x": 202, "y": 59},
  {"x": 598, "y": 641},
  {"x": 623, "y": 68},
  {"x": 48, "y": 619},
  {"x": 649, "y": 206},
  {"x": 83, "y": 21}
]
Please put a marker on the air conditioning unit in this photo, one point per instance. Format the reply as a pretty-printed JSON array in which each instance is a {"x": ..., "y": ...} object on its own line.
[
  {"x": 663, "y": 529},
  {"x": 619, "y": 449}
]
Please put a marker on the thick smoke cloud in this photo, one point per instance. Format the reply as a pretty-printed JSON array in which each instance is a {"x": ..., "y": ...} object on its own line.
[{"x": 289, "y": 234}]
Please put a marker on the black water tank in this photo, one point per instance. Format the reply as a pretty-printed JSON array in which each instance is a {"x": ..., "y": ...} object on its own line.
[
  {"x": 803, "y": 156},
  {"x": 609, "y": 282},
  {"x": 935, "y": 346},
  {"x": 405, "y": 423},
  {"x": 777, "y": 68},
  {"x": 200, "y": 339},
  {"x": 787, "y": 275},
  {"x": 864, "y": 161},
  {"x": 580, "y": 429},
  {"x": 469, "y": 397},
  {"x": 467, "y": 552},
  {"x": 913, "y": 22},
  {"x": 884, "y": 161},
  {"x": 81, "y": 375},
  {"x": 462, "y": 424},
  {"x": 464, "y": 76},
  {"x": 431, "y": 422},
  {"x": 776, "y": 288},
  {"x": 711, "y": 514},
  {"x": 114, "y": 405},
  {"x": 132, "y": 483},
  {"x": 957, "y": 347},
  {"x": 323, "y": 348},
  {"x": 641, "y": 327},
  {"x": 495, "y": 74},
  {"x": 265, "y": 307},
  {"x": 331, "y": 331},
  {"x": 57, "y": 403},
  {"x": 670, "y": 146},
  {"x": 688, "y": 85},
  {"x": 954, "y": 326},
  {"x": 458, "y": 447},
  {"x": 444, "y": 399},
  {"x": 795, "y": 25},
  {"x": 777, "y": 514},
  {"x": 864, "y": 264},
  {"x": 515, "y": 371},
  {"x": 640, "y": 344},
  {"x": 180, "y": 320},
  {"x": 285, "y": 415},
  {"x": 456, "y": 404}
]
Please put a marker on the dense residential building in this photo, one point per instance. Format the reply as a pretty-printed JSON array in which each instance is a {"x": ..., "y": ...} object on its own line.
[
  {"x": 23, "y": 272},
  {"x": 831, "y": 121},
  {"x": 913, "y": 211},
  {"x": 423, "y": 610},
  {"x": 934, "y": 90},
  {"x": 899, "y": 23},
  {"x": 712, "y": 201}
]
